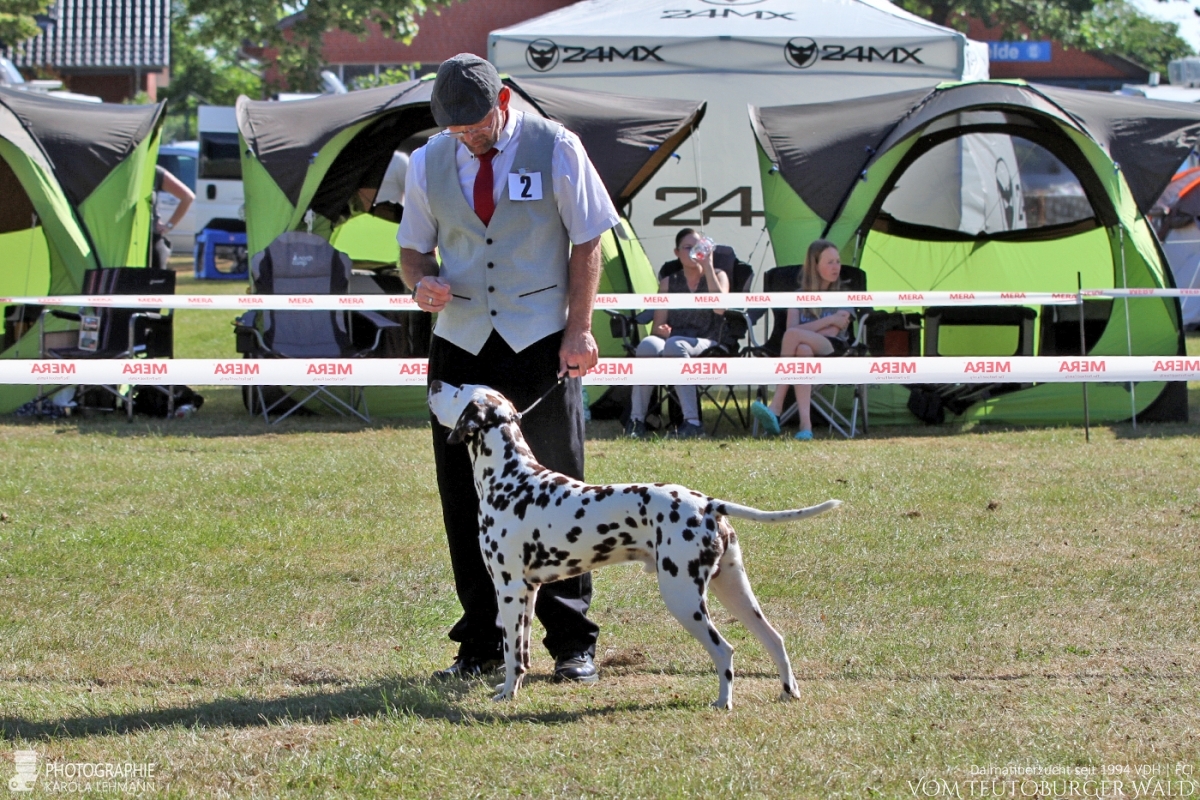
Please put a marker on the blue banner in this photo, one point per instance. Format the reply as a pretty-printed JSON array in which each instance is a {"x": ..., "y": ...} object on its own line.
[{"x": 1019, "y": 51}]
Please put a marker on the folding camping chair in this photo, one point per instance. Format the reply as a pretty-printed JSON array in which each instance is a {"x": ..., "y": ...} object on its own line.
[
  {"x": 304, "y": 263},
  {"x": 734, "y": 329},
  {"x": 929, "y": 402},
  {"x": 112, "y": 333},
  {"x": 786, "y": 279}
]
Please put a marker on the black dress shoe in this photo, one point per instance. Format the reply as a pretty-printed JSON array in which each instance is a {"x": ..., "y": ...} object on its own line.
[
  {"x": 465, "y": 668},
  {"x": 577, "y": 667}
]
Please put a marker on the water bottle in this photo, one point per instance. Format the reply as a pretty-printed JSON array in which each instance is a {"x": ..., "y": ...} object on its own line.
[
  {"x": 702, "y": 248},
  {"x": 184, "y": 411}
]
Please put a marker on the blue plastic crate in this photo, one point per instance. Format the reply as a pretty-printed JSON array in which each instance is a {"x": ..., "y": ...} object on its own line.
[{"x": 205, "y": 253}]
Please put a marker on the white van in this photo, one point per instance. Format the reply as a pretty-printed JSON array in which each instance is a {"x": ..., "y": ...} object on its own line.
[
  {"x": 220, "y": 201},
  {"x": 179, "y": 159}
]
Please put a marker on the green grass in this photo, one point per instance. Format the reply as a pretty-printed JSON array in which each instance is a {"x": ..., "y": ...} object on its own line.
[{"x": 255, "y": 611}]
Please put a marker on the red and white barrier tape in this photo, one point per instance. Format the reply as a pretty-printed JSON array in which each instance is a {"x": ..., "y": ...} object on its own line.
[
  {"x": 397, "y": 302},
  {"x": 615, "y": 371}
]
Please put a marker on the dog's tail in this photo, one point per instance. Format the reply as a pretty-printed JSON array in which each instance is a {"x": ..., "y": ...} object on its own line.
[{"x": 727, "y": 509}]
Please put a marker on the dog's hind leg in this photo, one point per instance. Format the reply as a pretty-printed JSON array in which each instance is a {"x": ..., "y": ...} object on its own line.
[
  {"x": 731, "y": 586},
  {"x": 513, "y": 600},
  {"x": 686, "y": 602}
]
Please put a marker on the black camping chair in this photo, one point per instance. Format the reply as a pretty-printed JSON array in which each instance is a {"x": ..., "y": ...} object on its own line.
[
  {"x": 735, "y": 326},
  {"x": 112, "y": 333},
  {"x": 786, "y": 279},
  {"x": 929, "y": 402},
  {"x": 304, "y": 263}
]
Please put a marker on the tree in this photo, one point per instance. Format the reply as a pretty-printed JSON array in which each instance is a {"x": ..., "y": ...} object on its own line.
[
  {"x": 1113, "y": 26},
  {"x": 1118, "y": 27},
  {"x": 1016, "y": 19},
  {"x": 293, "y": 31},
  {"x": 17, "y": 20},
  {"x": 202, "y": 75}
]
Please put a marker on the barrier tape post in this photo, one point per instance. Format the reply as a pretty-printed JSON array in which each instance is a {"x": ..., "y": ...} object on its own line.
[{"x": 1087, "y": 419}]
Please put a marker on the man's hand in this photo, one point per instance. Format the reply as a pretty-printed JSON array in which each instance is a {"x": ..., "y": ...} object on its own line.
[
  {"x": 432, "y": 294},
  {"x": 578, "y": 354},
  {"x": 662, "y": 331}
]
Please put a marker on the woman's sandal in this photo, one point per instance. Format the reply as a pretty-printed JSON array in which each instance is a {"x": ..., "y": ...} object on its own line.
[
  {"x": 803, "y": 436},
  {"x": 766, "y": 417}
]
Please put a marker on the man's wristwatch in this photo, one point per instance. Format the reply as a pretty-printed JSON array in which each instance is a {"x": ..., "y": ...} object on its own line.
[{"x": 170, "y": 226}]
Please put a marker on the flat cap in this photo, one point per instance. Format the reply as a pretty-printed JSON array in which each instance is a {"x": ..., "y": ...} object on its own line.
[{"x": 465, "y": 90}]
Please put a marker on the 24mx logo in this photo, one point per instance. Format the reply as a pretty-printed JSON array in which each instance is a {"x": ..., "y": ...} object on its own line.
[
  {"x": 802, "y": 53},
  {"x": 544, "y": 55}
]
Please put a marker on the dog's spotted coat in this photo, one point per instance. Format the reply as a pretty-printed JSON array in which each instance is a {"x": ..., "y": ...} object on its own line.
[{"x": 538, "y": 526}]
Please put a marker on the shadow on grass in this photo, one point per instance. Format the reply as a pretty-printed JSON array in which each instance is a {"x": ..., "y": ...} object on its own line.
[{"x": 401, "y": 696}]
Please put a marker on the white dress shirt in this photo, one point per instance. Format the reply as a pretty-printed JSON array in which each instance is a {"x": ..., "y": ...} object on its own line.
[{"x": 583, "y": 202}]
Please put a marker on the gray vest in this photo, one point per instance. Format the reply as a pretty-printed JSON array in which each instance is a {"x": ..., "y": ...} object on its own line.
[{"x": 512, "y": 275}]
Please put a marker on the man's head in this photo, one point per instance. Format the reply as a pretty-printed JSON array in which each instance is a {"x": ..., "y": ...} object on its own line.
[{"x": 470, "y": 101}]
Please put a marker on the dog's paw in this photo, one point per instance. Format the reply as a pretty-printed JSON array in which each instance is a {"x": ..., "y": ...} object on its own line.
[
  {"x": 502, "y": 695},
  {"x": 723, "y": 706},
  {"x": 785, "y": 697}
]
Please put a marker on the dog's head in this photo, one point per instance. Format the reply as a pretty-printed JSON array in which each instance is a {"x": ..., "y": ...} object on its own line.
[{"x": 468, "y": 410}]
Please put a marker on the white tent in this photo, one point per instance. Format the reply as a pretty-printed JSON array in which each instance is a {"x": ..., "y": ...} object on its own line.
[{"x": 730, "y": 53}]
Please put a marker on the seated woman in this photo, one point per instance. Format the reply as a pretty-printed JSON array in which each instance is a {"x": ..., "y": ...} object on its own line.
[
  {"x": 682, "y": 333},
  {"x": 810, "y": 332}
]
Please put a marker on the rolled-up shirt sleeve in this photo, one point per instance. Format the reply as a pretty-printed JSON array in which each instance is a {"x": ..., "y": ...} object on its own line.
[
  {"x": 583, "y": 202},
  {"x": 418, "y": 228}
]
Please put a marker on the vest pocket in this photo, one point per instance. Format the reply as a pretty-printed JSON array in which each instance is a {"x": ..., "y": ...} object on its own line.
[{"x": 539, "y": 291}]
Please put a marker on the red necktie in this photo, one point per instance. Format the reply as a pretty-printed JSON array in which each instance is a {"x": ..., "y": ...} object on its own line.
[{"x": 485, "y": 203}]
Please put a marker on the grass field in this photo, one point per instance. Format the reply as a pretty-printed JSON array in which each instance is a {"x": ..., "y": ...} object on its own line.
[{"x": 255, "y": 612}]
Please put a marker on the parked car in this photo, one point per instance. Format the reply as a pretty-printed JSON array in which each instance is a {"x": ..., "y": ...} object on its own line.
[
  {"x": 180, "y": 159},
  {"x": 11, "y": 78}
]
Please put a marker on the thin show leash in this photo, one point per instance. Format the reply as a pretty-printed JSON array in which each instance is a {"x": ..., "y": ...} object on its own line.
[{"x": 561, "y": 380}]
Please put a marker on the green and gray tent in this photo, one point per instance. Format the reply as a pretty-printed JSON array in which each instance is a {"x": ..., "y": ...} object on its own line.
[
  {"x": 313, "y": 155},
  {"x": 993, "y": 186},
  {"x": 76, "y": 181}
]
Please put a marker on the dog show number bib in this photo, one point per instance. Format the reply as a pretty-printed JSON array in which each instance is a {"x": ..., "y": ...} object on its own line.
[{"x": 524, "y": 186}]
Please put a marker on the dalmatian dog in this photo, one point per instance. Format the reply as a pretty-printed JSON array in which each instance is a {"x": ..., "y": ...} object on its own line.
[{"x": 537, "y": 526}]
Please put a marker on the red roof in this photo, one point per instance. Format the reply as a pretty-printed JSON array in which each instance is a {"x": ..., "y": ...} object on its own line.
[{"x": 1064, "y": 63}]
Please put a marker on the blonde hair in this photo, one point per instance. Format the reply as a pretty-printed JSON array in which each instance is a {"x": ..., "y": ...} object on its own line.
[{"x": 810, "y": 278}]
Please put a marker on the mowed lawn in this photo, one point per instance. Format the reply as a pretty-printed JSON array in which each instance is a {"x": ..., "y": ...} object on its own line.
[{"x": 256, "y": 612}]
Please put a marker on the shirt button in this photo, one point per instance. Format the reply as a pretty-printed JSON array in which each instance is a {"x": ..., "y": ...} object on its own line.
[
  {"x": 489, "y": 241},
  {"x": 493, "y": 313},
  {"x": 491, "y": 288},
  {"x": 491, "y": 265}
]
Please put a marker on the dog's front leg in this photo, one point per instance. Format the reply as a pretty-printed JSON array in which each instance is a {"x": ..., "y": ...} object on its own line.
[
  {"x": 513, "y": 599},
  {"x": 527, "y": 631}
]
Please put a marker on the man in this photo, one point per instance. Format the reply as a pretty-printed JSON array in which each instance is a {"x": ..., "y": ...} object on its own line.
[{"x": 515, "y": 210}]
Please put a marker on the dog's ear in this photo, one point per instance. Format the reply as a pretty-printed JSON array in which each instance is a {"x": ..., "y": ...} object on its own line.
[{"x": 469, "y": 423}]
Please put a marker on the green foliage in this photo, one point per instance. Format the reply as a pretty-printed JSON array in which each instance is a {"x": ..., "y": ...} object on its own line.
[
  {"x": 17, "y": 20},
  {"x": 293, "y": 31},
  {"x": 202, "y": 73},
  {"x": 1118, "y": 27},
  {"x": 1114, "y": 26},
  {"x": 385, "y": 78},
  {"x": 1016, "y": 19}
]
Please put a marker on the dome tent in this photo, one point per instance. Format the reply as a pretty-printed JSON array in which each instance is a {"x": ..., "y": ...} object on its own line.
[
  {"x": 911, "y": 187},
  {"x": 76, "y": 181},
  {"x": 1176, "y": 218},
  {"x": 313, "y": 155}
]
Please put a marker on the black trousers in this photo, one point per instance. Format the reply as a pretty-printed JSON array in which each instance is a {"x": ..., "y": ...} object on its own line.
[{"x": 554, "y": 431}]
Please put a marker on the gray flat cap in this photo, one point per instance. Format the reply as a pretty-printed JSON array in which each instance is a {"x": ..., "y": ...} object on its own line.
[{"x": 465, "y": 90}]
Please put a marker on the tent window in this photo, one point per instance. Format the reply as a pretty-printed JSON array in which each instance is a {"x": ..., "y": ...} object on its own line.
[
  {"x": 16, "y": 212},
  {"x": 988, "y": 183}
]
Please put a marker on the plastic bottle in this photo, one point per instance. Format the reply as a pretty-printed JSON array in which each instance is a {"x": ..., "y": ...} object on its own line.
[{"x": 184, "y": 411}]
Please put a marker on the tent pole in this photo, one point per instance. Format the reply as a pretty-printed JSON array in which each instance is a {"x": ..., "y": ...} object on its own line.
[
  {"x": 701, "y": 195},
  {"x": 1087, "y": 420},
  {"x": 1128, "y": 329}
]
